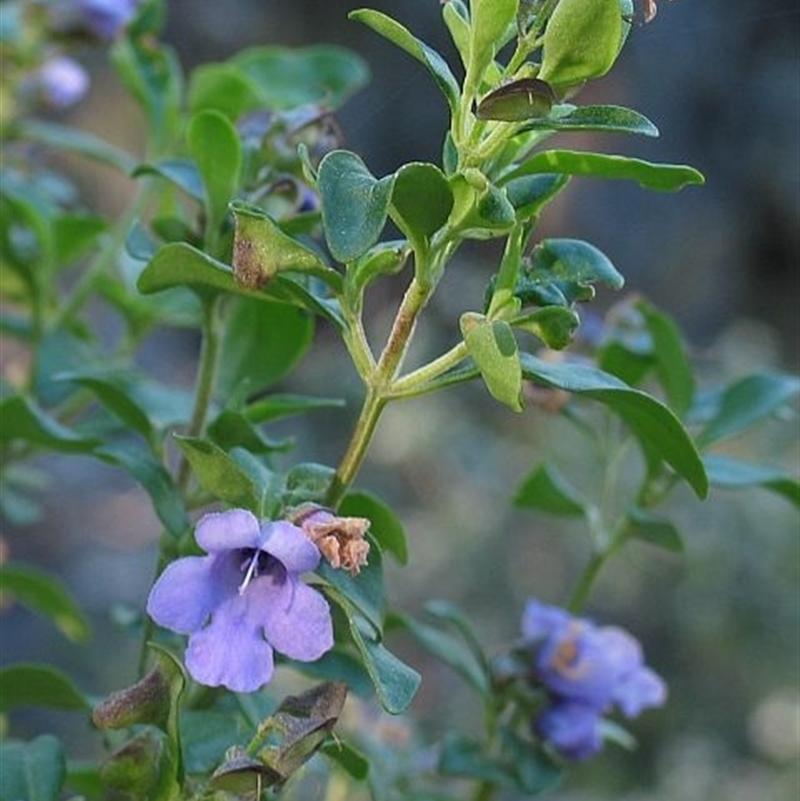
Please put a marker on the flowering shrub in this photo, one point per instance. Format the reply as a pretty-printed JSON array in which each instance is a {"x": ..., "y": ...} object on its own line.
[{"x": 251, "y": 225}]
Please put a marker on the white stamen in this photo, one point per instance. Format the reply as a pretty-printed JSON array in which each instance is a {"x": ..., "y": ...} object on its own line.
[{"x": 252, "y": 570}]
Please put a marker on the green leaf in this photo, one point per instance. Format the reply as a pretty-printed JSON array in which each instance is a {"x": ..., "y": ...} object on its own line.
[
  {"x": 308, "y": 482},
  {"x": 42, "y": 593},
  {"x": 396, "y": 683},
  {"x": 575, "y": 261},
  {"x": 494, "y": 349},
  {"x": 215, "y": 147},
  {"x": 38, "y": 685},
  {"x": 275, "y": 407},
  {"x": 355, "y": 204},
  {"x": 653, "y": 424},
  {"x": 24, "y": 420},
  {"x": 402, "y": 37},
  {"x": 491, "y": 21},
  {"x": 554, "y": 325},
  {"x": 218, "y": 473},
  {"x": 153, "y": 478},
  {"x": 462, "y": 756},
  {"x": 74, "y": 235},
  {"x": 346, "y": 757},
  {"x": 153, "y": 77},
  {"x": 608, "y": 119},
  {"x": 180, "y": 172},
  {"x": 142, "y": 404},
  {"x": 262, "y": 341},
  {"x": 290, "y": 77},
  {"x": 231, "y": 429},
  {"x": 32, "y": 771},
  {"x": 224, "y": 88},
  {"x": 726, "y": 472},
  {"x": 661, "y": 177},
  {"x": 180, "y": 264},
  {"x": 421, "y": 200},
  {"x": 456, "y": 18},
  {"x": 529, "y": 194},
  {"x": 448, "y": 649},
  {"x": 547, "y": 490},
  {"x": 480, "y": 209},
  {"x": 655, "y": 530},
  {"x": 74, "y": 140},
  {"x": 384, "y": 524},
  {"x": 581, "y": 41},
  {"x": 671, "y": 362},
  {"x": 746, "y": 403}
]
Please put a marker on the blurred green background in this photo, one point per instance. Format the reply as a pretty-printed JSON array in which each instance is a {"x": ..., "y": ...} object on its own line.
[{"x": 721, "y": 622}]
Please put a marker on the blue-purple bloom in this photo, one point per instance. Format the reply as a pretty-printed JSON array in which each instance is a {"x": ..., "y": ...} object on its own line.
[
  {"x": 243, "y": 600},
  {"x": 61, "y": 81},
  {"x": 107, "y": 18},
  {"x": 587, "y": 670}
]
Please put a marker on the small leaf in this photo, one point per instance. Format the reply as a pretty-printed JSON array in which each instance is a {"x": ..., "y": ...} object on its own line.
[
  {"x": 224, "y": 88},
  {"x": 494, "y": 349},
  {"x": 421, "y": 200},
  {"x": 307, "y": 483},
  {"x": 42, "y": 593},
  {"x": 396, "y": 683},
  {"x": 655, "y": 530},
  {"x": 215, "y": 147},
  {"x": 181, "y": 173},
  {"x": 179, "y": 264},
  {"x": 447, "y": 649},
  {"x": 275, "y": 407},
  {"x": 38, "y": 685},
  {"x": 573, "y": 260},
  {"x": 218, "y": 473},
  {"x": 581, "y": 41},
  {"x": 746, "y": 403},
  {"x": 400, "y": 36},
  {"x": 480, "y": 209},
  {"x": 385, "y": 258},
  {"x": 726, "y": 472},
  {"x": 608, "y": 119},
  {"x": 554, "y": 325},
  {"x": 262, "y": 341},
  {"x": 547, "y": 490},
  {"x": 154, "y": 479},
  {"x": 346, "y": 757},
  {"x": 491, "y": 21},
  {"x": 355, "y": 204},
  {"x": 74, "y": 140},
  {"x": 529, "y": 194},
  {"x": 385, "y": 527},
  {"x": 24, "y": 420},
  {"x": 653, "y": 424},
  {"x": 32, "y": 771},
  {"x": 671, "y": 362},
  {"x": 661, "y": 177}
]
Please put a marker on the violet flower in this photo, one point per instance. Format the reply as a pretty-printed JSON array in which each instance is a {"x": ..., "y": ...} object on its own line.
[
  {"x": 243, "y": 601},
  {"x": 61, "y": 81},
  {"x": 587, "y": 670},
  {"x": 106, "y": 18}
]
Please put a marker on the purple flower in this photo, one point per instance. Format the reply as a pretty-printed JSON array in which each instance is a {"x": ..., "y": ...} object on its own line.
[
  {"x": 106, "y": 18},
  {"x": 61, "y": 81},
  {"x": 587, "y": 670},
  {"x": 243, "y": 600},
  {"x": 573, "y": 729}
]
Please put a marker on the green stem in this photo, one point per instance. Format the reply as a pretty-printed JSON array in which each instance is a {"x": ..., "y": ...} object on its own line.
[
  {"x": 206, "y": 372},
  {"x": 415, "y": 382}
]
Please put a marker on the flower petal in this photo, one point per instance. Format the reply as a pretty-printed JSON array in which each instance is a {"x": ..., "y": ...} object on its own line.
[
  {"x": 290, "y": 545},
  {"x": 540, "y": 620},
  {"x": 223, "y": 531},
  {"x": 189, "y": 589},
  {"x": 296, "y": 619},
  {"x": 572, "y": 729},
  {"x": 230, "y": 651},
  {"x": 642, "y": 689}
]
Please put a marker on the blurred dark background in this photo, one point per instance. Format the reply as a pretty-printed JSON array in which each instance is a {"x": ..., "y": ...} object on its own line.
[{"x": 721, "y": 79}]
